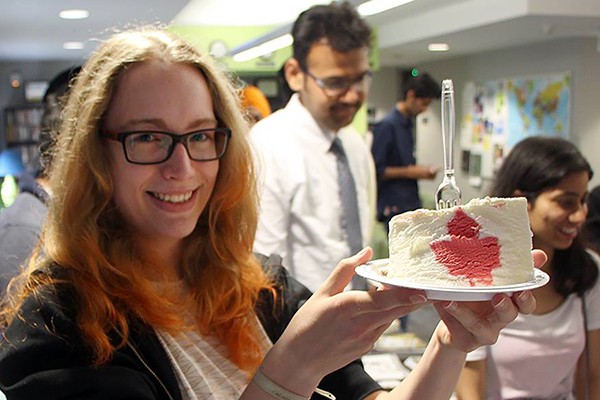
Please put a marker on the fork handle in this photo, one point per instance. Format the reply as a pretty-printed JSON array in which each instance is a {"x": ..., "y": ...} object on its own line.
[{"x": 448, "y": 124}]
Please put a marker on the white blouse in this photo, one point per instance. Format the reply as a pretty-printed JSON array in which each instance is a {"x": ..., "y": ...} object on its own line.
[
  {"x": 536, "y": 355},
  {"x": 202, "y": 368}
]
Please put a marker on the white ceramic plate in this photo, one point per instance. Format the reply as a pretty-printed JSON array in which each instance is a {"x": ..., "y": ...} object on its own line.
[{"x": 373, "y": 270}]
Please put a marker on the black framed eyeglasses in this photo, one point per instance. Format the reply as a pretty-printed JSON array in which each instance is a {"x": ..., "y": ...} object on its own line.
[
  {"x": 338, "y": 86},
  {"x": 154, "y": 147}
]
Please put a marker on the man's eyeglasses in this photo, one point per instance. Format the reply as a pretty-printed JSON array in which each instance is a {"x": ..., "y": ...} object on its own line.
[
  {"x": 155, "y": 147},
  {"x": 337, "y": 86}
]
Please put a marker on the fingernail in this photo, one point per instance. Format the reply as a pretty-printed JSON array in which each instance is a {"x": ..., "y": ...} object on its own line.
[
  {"x": 524, "y": 296},
  {"x": 417, "y": 299},
  {"x": 451, "y": 306},
  {"x": 362, "y": 252},
  {"x": 502, "y": 304}
]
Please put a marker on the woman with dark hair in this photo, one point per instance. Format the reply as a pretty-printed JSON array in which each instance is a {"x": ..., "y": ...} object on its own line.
[{"x": 543, "y": 356}]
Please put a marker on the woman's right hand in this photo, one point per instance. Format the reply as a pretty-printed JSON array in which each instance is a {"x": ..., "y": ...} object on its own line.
[
  {"x": 335, "y": 327},
  {"x": 468, "y": 325}
]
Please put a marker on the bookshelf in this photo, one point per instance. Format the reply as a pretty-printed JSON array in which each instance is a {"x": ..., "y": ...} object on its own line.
[{"x": 22, "y": 130}]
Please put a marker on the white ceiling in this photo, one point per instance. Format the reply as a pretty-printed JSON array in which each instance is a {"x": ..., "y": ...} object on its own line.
[{"x": 31, "y": 29}]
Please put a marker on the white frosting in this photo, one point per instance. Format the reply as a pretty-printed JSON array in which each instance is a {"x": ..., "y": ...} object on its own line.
[{"x": 412, "y": 234}]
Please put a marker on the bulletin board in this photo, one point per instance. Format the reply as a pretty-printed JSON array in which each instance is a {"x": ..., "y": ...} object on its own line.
[{"x": 499, "y": 113}]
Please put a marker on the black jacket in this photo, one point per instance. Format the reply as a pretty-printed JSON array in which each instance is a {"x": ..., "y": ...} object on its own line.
[{"x": 43, "y": 355}]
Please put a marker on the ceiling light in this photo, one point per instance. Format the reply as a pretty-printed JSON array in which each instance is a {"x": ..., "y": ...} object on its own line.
[
  {"x": 73, "y": 45},
  {"x": 280, "y": 38},
  {"x": 438, "y": 47},
  {"x": 263, "y": 45},
  {"x": 265, "y": 48},
  {"x": 74, "y": 14},
  {"x": 376, "y": 6}
]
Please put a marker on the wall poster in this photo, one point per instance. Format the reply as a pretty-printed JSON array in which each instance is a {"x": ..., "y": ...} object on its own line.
[{"x": 499, "y": 113}]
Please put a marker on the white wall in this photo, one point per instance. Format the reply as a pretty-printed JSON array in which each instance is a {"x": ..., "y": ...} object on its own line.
[
  {"x": 579, "y": 56},
  {"x": 384, "y": 91}
]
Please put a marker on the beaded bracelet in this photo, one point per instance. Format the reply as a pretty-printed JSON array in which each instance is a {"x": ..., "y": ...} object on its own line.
[{"x": 272, "y": 388}]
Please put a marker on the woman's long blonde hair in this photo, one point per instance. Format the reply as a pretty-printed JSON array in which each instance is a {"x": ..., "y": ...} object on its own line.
[{"x": 86, "y": 237}]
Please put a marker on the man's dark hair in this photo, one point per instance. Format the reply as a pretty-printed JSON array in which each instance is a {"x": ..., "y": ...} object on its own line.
[
  {"x": 422, "y": 85},
  {"x": 339, "y": 23},
  {"x": 54, "y": 100}
]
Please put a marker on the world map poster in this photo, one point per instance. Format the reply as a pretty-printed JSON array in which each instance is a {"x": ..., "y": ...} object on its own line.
[{"x": 499, "y": 113}]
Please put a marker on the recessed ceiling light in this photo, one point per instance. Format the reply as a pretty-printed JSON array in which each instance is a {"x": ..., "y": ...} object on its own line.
[
  {"x": 438, "y": 47},
  {"x": 377, "y": 6},
  {"x": 73, "y": 45},
  {"x": 74, "y": 14}
]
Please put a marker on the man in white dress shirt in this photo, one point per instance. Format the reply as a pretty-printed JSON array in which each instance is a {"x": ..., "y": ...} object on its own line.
[{"x": 301, "y": 206}]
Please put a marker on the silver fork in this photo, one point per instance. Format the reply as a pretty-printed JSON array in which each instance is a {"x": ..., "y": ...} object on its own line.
[{"x": 448, "y": 193}]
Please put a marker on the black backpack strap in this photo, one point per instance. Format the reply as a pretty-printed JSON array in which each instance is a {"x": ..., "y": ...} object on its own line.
[
  {"x": 271, "y": 262},
  {"x": 275, "y": 312}
]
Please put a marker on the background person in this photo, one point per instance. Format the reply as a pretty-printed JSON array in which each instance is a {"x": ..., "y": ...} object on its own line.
[
  {"x": 541, "y": 356},
  {"x": 302, "y": 215},
  {"x": 148, "y": 288},
  {"x": 255, "y": 103},
  {"x": 393, "y": 150},
  {"x": 21, "y": 223}
]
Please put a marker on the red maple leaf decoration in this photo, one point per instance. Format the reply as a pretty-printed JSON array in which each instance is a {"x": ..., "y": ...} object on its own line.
[{"x": 465, "y": 254}]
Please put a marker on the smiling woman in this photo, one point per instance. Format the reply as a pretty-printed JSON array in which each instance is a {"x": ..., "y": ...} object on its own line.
[
  {"x": 145, "y": 286},
  {"x": 129, "y": 222},
  {"x": 161, "y": 190},
  {"x": 553, "y": 176}
]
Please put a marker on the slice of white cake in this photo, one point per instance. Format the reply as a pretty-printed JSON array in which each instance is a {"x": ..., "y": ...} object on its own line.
[{"x": 486, "y": 242}]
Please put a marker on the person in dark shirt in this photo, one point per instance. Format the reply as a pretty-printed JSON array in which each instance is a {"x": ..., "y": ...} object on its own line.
[
  {"x": 393, "y": 150},
  {"x": 21, "y": 223}
]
